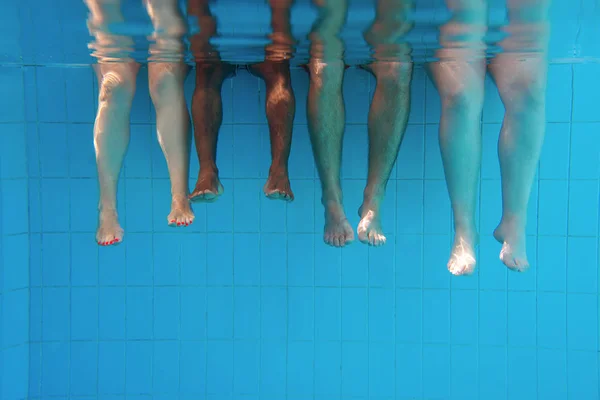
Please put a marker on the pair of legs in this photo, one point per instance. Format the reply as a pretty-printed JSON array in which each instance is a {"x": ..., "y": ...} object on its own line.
[
  {"x": 207, "y": 106},
  {"x": 388, "y": 116},
  {"x": 116, "y": 77},
  {"x": 521, "y": 81}
]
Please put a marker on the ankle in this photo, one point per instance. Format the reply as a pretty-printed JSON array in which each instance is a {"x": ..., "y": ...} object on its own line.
[
  {"x": 334, "y": 211},
  {"x": 513, "y": 222},
  {"x": 278, "y": 168},
  {"x": 178, "y": 196},
  {"x": 107, "y": 208},
  {"x": 373, "y": 194},
  {"x": 332, "y": 199},
  {"x": 467, "y": 227},
  {"x": 209, "y": 169}
]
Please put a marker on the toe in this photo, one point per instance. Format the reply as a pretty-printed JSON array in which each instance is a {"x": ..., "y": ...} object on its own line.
[
  {"x": 333, "y": 241},
  {"x": 451, "y": 266},
  {"x": 348, "y": 238},
  {"x": 509, "y": 262},
  {"x": 372, "y": 239},
  {"x": 336, "y": 241},
  {"x": 521, "y": 264}
]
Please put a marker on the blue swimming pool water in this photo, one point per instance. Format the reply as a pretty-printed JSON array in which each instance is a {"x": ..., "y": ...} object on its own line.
[{"x": 248, "y": 303}]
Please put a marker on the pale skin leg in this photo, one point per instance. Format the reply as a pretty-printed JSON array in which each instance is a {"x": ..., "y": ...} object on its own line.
[
  {"x": 166, "y": 74},
  {"x": 326, "y": 116},
  {"x": 460, "y": 85},
  {"x": 111, "y": 139},
  {"x": 174, "y": 136},
  {"x": 521, "y": 81},
  {"x": 388, "y": 114},
  {"x": 116, "y": 81},
  {"x": 280, "y": 100},
  {"x": 459, "y": 79}
]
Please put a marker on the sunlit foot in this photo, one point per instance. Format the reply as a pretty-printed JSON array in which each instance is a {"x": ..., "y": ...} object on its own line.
[
  {"x": 109, "y": 231},
  {"x": 514, "y": 246},
  {"x": 181, "y": 212},
  {"x": 369, "y": 228},
  {"x": 278, "y": 187},
  {"x": 462, "y": 257},
  {"x": 338, "y": 231},
  {"x": 208, "y": 187}
]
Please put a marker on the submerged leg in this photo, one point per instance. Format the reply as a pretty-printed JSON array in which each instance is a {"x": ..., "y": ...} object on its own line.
[
  {"x": 460, "y": 85},
  {"x": 167, "y": 73},
  {"x": 281, "y": 108},
  {"x": 326, "y": 116},
  {"x": 111, "y": 138},
  {"x": 521, "y": 81},
  {"x": 388, "y": 117},
  {"x": 173, "y": 130},
  {"x": 280, "y": 100},
  {"x": 116, "y": 73},
  {"x": 207, "y": 105},
  {"x": 207, "y": 115},
  {"x": 388, "y": 114},
  {"x": 459, "y": 78}
]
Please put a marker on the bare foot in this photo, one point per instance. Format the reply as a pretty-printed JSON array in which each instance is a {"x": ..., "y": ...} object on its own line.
[
  {"x": 109, "y": 230},
  {"x": 462, "y": 257},
  {"x": 181, "y": 212},
  {"x": 369, "y": 228},
  {"x": 338, "y": 231},
  {"x": 514, "y": 246},
  {"x": 208, "y": 187},
  {"x": 278, "y": 187}
]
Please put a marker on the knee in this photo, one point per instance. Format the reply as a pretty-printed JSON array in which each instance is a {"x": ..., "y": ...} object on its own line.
[
  {"x": 280, "y": 81},
  {"x": 466, "y": 97},
  {"x": 166, "y": 79},
  {"x": 523, "y": 94},
  {"x": 326, "y": 74},
  {"x": 211, "y": 75},
  {"x": 521, "y": 81},
  {"x": 117, "y": 87},
  {"x": 393, "y": 75}
]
